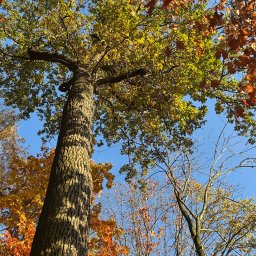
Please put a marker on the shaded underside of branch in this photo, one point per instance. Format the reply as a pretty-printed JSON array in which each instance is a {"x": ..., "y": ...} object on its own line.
[
  {"x": 121, "y": 77},
  {"x": 52, "y": 57}
]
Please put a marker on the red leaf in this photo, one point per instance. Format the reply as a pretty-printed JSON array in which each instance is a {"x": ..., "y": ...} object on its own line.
[
  {"x": 151, "y": 6},
  {"x": 214, "y": 83},
  {"x": 168, "y": 51},
  {"x": 221, "y": 53},
  {"x": 242, "y": 40},
  {"x": 252, "y": 95},
  {"x": 234, "y": 44},
  {"x": 239, "y": 112},
  {"x": 244, "y": 59},
  {"x": 203, "y": 85},
  {"x": 231, "y": 68},
  {"x": 180, "y": 45},
  {"x": 166, "y": 3}
]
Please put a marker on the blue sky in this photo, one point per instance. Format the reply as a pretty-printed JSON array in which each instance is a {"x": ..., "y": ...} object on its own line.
[{"x": 244, "y": 177}]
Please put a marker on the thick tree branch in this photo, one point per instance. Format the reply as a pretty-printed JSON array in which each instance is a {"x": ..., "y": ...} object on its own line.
[
  {"x": 66, "y": 85},
  {"x": 116, "y": 79},
  {"x": 52, "y": 57}
]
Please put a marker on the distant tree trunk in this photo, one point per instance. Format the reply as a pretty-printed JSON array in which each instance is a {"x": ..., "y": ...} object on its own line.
[
  {"x": 63, "y": 225},
  {"x": 194, "y": 228}
]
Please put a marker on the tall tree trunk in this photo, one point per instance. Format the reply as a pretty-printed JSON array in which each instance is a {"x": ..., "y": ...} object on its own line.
[{"x": 63, "y": 225}]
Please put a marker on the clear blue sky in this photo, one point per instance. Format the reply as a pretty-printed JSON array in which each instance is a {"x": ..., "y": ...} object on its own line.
[{"x": 245, "y": 177}]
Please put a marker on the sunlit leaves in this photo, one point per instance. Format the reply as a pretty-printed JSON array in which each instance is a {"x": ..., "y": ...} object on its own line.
[
  {"x": 23, "y": 189},
  {"x": 231, "y": 25},
  {"x": 99, "y": 173},
  {"x": 175, "y": 57}
]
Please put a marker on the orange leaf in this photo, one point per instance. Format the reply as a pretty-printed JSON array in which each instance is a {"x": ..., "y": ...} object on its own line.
[
  {"x": 250, "y": 77},
  {"x": 250, "y": 88},
  {"x": 244, "y": 32},
  {"x": 246, "y": 102},
  {"x": 249, "y": 102}
]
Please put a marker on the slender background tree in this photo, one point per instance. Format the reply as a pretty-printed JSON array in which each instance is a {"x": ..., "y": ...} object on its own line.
[{"x": 192, "y": 209}]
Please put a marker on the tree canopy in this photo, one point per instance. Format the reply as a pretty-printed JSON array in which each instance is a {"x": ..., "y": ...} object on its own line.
[{"x": 140, "y": 57}]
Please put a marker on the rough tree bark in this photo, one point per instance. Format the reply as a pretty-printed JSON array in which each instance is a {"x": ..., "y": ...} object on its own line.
[{"x": 63, "y": 224}]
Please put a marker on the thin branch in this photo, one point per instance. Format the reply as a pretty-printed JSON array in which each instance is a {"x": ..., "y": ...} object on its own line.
[{"x": 101, "y": 59}]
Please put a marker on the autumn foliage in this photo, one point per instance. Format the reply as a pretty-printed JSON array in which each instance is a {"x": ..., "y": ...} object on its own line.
[
  {"x": 103, "y": 232},
  {"x": 22, "y": 196},
  {"x": 236, "y": 25},
  {"x": 232, "y": 25}
]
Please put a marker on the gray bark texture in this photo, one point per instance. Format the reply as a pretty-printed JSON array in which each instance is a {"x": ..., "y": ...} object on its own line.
[{"x": 63, "y": 225}]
